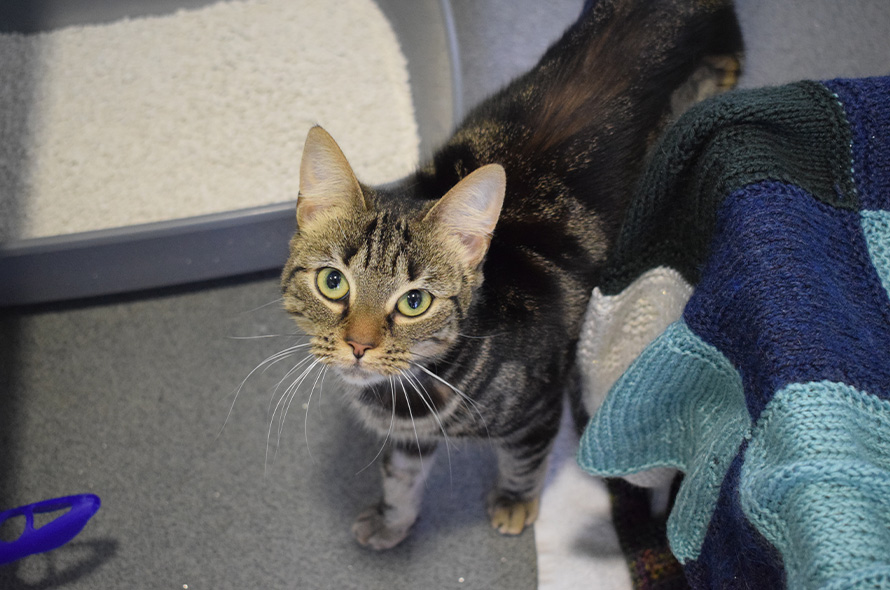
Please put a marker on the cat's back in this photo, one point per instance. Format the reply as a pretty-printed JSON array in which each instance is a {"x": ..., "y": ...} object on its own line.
[{"x": 572, "y": 133}]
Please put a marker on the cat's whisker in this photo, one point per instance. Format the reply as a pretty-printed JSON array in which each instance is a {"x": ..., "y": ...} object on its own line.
[
  {"x": 464, "y": 397},
  {"x": 306, "y": 419},
  {"x": 411, "y": 414},
  {"x": 293, "y": 370},
  {"x": 287, "y": 395},
  {"x": 283, "y": 396},
  {"x": 259, "y": 336},
  {"x": 460, "y": 393},
  {"x": 291, "y": 392},
  {"x": 278, "y": 356},
  {"x": 415, "y": 382},
  {"x": 482, "y": 337},
  {"x": 290, "y": 352},
  {"x": 324, "y": 372},
  {"x": 279, "y": 300},
  {"x": 436, "y": 360},
  {"x": 268, "y": 362},
  {"x": 392, "y": 422}
]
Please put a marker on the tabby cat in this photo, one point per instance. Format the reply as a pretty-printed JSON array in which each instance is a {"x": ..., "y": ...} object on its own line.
[{"x": 451, "y": 302}]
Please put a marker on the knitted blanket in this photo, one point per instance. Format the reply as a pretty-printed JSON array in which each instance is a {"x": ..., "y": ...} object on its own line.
[{"x": 772, "y": 392}]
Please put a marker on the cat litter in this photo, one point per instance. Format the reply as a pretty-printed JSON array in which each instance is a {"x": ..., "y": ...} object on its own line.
[{"x": 197, "y": 112}]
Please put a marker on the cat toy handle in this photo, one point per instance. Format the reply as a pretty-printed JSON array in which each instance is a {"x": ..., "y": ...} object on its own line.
[{"x": 53, "y": 534}]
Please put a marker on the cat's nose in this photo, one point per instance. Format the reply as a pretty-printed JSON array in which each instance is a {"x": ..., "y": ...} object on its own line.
[{"x": 358, "y": 348}]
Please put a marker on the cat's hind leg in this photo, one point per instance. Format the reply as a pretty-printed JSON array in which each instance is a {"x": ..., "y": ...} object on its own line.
[{"x": 404, "y": 469}]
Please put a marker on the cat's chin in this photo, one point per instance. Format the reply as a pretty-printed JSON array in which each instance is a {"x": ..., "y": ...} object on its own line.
[{"x": 358, "y": 376}]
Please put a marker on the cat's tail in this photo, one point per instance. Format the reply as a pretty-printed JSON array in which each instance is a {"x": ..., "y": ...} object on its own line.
[
  {"x": 657, "y": 57},
  {"x": 615, "y": 80},
  {"x": 588, "y": 6}
]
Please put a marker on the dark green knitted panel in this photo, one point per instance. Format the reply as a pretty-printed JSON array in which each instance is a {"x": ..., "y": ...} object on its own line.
[{"x": 795, "y": 134}]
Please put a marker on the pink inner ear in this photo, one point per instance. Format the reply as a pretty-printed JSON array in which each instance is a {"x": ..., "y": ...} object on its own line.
[
  {"x": 476, "y": 246},
  {"x": 470, "y": 241},
  {"x": 305, "y": 211}
]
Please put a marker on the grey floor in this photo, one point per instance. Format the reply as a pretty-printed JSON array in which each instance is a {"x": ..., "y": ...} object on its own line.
[{"x": 125, "y": 398}]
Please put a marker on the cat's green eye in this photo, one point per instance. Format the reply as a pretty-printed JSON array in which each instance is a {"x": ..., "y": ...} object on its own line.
[
  {"x": 332, "y": 284},
  {"x": 414, "y": 302}
]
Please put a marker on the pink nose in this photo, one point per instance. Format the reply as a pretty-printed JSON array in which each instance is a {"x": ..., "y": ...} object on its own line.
[{"x": 358, "y": 348}]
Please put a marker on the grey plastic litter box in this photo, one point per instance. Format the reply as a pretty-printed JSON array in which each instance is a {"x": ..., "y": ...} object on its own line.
[{"x": 189, "y": 250}]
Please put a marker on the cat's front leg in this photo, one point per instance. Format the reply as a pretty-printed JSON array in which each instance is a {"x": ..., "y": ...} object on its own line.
[
  {"x": 404, "y": 469},
  {"x": 522, "y": 466}
]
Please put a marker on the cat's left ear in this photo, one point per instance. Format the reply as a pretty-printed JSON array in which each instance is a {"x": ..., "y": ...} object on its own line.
[
  {"x": 470, "y": 210},
  {"x": 327, "y": 183}
]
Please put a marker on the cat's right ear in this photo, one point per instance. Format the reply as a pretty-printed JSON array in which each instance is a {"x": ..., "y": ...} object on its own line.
[{"x": 327, "y": 183}]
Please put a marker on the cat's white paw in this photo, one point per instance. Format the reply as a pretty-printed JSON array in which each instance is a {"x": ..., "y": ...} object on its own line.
[
  {"x": 510, "y": 516},
  {"x": 371, "y": 530}
]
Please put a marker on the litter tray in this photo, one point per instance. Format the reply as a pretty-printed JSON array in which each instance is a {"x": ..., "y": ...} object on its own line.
[{"x": 219, "y": 245}]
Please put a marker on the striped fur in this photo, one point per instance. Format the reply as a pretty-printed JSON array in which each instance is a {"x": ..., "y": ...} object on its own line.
[{"x": 493, "y": 356}]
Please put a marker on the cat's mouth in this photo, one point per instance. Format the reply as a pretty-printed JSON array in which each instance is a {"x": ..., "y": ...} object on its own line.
[
  {"x": 358, "y": 374},
  {"x": 369, "y": 368}
]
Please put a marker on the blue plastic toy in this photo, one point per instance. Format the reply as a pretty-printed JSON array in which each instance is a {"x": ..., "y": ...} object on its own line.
[{"x": 54, "y": 533}]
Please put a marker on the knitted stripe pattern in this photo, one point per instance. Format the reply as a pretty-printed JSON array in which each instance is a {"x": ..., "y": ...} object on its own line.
[
  {"x": 795, "y": 133},
  {"x": 694, "y": 409},
  {"x": 822, "y": 489},
  {"x": 772, "y": 393},
  {"x": 617, "y": 328}
]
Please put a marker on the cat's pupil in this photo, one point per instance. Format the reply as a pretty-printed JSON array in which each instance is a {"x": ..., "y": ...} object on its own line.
[
  {"x": 333, "y": 280},
  {"x": 414, "y": 299}
]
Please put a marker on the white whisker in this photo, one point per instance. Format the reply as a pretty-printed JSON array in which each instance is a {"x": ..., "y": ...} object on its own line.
[
  {"x": 293, "y": 370},
  {"x": 392, "y": 422},
  {"x": 279, "y": 300},
  {"x": 434, "y": 360},
  {"x": 258, "y": 336},
  {"x": 411, "y": 414},
  {"x": 415, "y": 382},
  {"x": 324, "y": 371},
  {"x": 271, "y": 360},
  {"x": 288, "y": 394},
  {"x": 481, "y": 337},
  {"x": 472, "y": 403},
  {"x": 306, "y": 419}
]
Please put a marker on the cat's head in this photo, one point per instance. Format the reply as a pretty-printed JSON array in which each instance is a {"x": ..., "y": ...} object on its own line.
[{"x": 378, "y": 289}]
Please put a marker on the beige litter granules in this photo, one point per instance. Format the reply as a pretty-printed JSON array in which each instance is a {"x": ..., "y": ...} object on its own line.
[{"x": 197, "y": 112}]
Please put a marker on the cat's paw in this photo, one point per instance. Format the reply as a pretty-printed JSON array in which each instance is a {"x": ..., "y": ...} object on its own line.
[
  {"x": 371, "y": 530},
  {"x": 510, "y": 516}
]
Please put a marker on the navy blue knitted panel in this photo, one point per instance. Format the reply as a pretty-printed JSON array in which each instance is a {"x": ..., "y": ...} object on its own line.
[
  {"x": 734, "y": 555},
  {"x": 789, "y": 295},
  {"x": 866, "y": 103}
]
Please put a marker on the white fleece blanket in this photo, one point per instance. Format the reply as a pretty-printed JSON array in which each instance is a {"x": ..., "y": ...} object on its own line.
[{"x": 576, "y": 540}]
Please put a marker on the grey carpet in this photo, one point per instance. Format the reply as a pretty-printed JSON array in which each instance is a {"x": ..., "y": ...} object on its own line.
[{"x": 125, "y": 400}]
